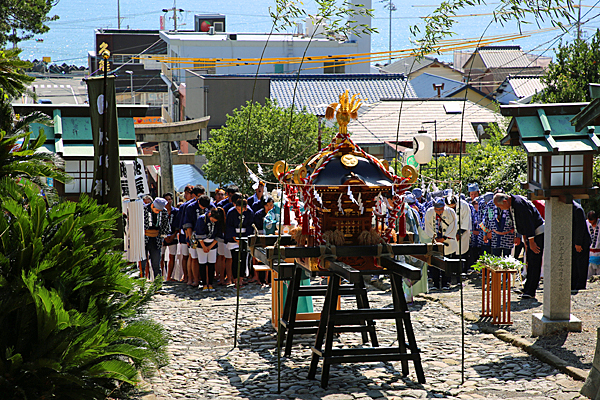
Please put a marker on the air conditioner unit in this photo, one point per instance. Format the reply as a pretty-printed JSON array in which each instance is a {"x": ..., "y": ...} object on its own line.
[
  {"x": 219, "y": 26},
  {"x": 211, "y": 30}
]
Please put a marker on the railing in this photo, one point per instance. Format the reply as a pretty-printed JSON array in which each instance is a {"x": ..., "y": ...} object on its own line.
[{"x": 166, "y": 71}]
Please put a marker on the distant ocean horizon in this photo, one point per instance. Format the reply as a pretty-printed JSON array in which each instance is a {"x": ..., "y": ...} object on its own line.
[{"x": 71, "y": 37}]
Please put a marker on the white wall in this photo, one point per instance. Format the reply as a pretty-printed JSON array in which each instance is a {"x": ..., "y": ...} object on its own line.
[{"x": 200, "y": 45}]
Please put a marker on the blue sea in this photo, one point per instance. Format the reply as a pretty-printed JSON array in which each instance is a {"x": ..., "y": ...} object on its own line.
[{"x": 72, "y": 36}]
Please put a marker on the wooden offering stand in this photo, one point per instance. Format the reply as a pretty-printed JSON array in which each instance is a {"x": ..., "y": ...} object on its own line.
[{"x": 495, "y": 295}]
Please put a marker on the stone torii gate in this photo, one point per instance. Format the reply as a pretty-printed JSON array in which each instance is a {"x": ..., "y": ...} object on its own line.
[{"x": 164, "y": 134}]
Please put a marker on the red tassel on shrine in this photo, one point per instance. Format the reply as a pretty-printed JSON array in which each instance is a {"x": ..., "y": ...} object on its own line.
[
  {"x": 286, "y": 214},
  {"x": 305, "y": 224},
  {"x": 402, "y": 225}
]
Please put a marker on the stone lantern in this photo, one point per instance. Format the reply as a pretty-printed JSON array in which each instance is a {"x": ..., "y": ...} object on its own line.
[{"x": 559, "y": 169}]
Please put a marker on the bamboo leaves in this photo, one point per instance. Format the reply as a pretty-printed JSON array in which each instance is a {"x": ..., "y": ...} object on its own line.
[{"x": 439, "y": 25}]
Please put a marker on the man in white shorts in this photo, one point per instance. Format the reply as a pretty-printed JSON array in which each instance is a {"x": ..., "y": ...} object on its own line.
[
  {"x": 182, "y": 247},
  {"x": 198, "y": 208}
]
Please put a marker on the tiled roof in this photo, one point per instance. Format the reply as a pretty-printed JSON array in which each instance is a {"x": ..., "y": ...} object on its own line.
[
  {"x": 524, "y": 86},
  {"x": 407, "y": 65},
  {"x": 502, "y": 73},
  {"x": 503, "y": 57},
  {"x": 315, "y": 92},
  {"x": 379, "y": 123},
  {"x": 518, "y": 87},
  {"x": 423, "y": 86}
]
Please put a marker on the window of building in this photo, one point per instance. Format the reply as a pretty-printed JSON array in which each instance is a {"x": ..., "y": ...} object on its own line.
[
  {"x": 334, "y": 67},
  {"x": 121, "y": 58},
  {"x": 566, "y": 170},
  {"x": 82, "y": 172},
  {"x": 536, "y": 167}
]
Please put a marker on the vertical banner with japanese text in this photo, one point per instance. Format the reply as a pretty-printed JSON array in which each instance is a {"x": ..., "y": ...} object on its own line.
[{"x": 105, "y": 132}]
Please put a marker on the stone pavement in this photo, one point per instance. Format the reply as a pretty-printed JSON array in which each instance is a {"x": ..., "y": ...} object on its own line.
[
  {"x": 204, "y": 364},
  {"x": 571, "y": 352}
]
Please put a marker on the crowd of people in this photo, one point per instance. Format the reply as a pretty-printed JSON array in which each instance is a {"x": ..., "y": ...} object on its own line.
[
  {"x": 501, "y": 224},
  {"x": 206, "y": 233}
]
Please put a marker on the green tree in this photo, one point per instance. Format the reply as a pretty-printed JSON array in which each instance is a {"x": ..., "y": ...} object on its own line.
[
  {"x": 577, "y": 64},
  {"x": 490, "y": 164},
  {"x": 227, "y": 147},
  {"x": 71, "y": 314},
  {"x": 21, "y": 19},
  {"x": 12, "y": 77}
]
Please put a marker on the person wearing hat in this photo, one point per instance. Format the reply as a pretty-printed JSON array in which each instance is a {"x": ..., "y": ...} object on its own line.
[
  {"x": 420, "y": 204},
  {"x": 413, "y": 217},
  {"x": 156, "y": 226},
  {"x": 486, "y": 211},
  {"x": 412, "y": 202},
  {"x": 441, "y": 225},
  {"x": 501, "y": 230},
  {"x": 418, "y": 193},
  {"x": 473, "y": 189},
  {"x": 463, "y": 236},
  {"x": 476, "y": 236}
]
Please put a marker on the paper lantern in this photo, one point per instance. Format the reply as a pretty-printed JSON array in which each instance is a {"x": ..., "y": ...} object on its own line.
[{"x": 423, "y": 148}]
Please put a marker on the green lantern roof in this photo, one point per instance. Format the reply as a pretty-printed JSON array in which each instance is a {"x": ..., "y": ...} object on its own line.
[{"x": 547, "y": 129}]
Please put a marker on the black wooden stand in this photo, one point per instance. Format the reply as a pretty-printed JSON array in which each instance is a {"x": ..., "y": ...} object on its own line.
[
  {"x": 291, "y": 326},
  {"x": 334, "y": 321}
]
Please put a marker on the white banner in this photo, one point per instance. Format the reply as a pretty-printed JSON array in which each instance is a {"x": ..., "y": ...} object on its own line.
[{"x": 133, "y": 179}]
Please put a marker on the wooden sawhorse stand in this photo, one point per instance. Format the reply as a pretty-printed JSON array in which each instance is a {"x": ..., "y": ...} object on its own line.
[
  {"x": 337, "y": 321},
  {"x": 291, "y": 325}
]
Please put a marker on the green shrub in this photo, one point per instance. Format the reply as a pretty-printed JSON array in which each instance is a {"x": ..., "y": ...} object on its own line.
[{"x": 70, "y": 312}]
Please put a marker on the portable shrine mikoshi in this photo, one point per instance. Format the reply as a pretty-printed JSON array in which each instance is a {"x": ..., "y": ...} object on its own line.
[{"x": 341, "y": 187}]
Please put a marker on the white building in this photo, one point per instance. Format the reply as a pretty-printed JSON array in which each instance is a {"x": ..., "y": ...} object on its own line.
[{"x": 225, "y": 46}]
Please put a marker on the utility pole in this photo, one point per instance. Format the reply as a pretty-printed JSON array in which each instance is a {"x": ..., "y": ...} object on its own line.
[
  {"x": 392, "y": 7},
  {"x": 174, "y": 9},
  {"x": 119, "y": 14}
]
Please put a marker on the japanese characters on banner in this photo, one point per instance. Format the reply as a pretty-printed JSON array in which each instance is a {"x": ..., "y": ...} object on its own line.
[
  {"x": 105, "y": 132},
  {"x": 133, "y": 179}
]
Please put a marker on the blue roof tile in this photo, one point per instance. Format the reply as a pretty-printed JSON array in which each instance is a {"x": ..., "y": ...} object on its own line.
[
  {"x": 315, "y": 92},
  {"x": 423, "y": 86}
]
